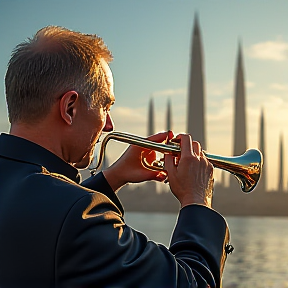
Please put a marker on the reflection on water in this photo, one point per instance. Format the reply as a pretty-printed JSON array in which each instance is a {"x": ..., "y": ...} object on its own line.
[
  {"x": 261, "y": 252},
  {"x": 260, "y": 258}
]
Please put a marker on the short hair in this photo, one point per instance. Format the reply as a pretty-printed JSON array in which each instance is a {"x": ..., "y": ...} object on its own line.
[{"x": 54, "y": 61}]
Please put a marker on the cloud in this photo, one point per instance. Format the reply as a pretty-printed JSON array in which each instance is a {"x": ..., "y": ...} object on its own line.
[
  {"x": 269, "y": 50},
  {"x": 128, "y": 117},
  {"x": 219, "y": 89},
  {"x": 169, "y": 92},
  {"x": 225, "y": 88},
  {"x": 279, "y": 87}
]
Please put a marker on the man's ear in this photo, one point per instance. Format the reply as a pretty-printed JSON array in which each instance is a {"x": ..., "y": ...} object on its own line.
[{"x": 68, "y": 106}]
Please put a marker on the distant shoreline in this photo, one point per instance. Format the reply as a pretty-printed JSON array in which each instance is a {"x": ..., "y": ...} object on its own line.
[{"x": 227, "y": 202}]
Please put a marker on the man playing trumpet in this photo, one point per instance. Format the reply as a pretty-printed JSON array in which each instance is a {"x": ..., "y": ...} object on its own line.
[{"x": 58, "y": 232}]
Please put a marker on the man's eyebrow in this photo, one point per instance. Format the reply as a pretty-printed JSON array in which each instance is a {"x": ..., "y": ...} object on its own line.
[
  {"x": 109, "y": 101},
  {"x": 112, "y": 99}
]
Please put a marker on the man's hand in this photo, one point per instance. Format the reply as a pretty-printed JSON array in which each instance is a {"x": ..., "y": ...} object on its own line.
[
  {"x": 129, "y": 168},
  {"x": 191, "y": 176}
]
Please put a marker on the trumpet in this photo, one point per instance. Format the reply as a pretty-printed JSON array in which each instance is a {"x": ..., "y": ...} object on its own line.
[{"x": 246, "y": 167}]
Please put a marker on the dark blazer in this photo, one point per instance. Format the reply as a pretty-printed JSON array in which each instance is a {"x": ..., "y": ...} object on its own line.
[{"x": 56, "y": 232}]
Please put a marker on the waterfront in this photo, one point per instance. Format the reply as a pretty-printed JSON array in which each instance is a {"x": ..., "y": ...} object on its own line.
[{"x": 260, "y": 258}]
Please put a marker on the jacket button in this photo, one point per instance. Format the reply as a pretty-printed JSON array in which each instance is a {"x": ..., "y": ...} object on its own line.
[{"x": 229, "y": 248}]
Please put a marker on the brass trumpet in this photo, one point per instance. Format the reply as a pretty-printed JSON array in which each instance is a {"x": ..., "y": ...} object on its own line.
[{"x": 246, "y": 167}]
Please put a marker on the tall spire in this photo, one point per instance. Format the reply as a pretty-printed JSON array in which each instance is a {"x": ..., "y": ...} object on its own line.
[
  {"x": 222, "y": 181},
  {"x": 151, "y": 185},
  {"x": 196, "y": 95},
  {"x": 169, "y": 116},
  {"x": 280, "y": 183},
  {"x": 151, "y": 129},
  {"x": 240, "y": 142},
  {"x": 262, "y": 184}
]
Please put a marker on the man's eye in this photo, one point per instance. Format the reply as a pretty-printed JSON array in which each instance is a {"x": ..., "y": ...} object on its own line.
[{"x": 106, "y": 109}]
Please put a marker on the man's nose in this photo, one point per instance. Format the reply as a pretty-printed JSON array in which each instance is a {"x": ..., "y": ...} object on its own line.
[{"x": 109, "y": 125}]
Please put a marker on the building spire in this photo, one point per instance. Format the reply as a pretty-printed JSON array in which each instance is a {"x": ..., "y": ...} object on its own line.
[
  {"x": 262, "y": 184},
  {"x": 280, "y": 183},
  {"x": 169, "y": 116},
  {"x": 240, "y": 141},
  {"x": 151, "y": 124},
  {"x": 196, "y": 96},
  {"x": 196, "y": 30}
]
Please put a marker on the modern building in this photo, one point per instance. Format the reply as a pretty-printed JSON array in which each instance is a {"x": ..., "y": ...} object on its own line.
[
  {"x": 196, "y": 120},
  {"x": 281, "y": 176},
  {"x": 239, "y": 127},
  {"x": 262, "y": 185},
  {"x": 151, "y": 124},
  {"x": 169, "y": 116}
]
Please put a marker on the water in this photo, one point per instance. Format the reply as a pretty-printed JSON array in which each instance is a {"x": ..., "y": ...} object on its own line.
[{"x": 260, "y": 258}]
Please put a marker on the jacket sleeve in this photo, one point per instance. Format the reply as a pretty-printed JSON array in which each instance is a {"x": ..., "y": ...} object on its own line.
[
  {"x": 97, "y": 249},
  {"x": 200, "y": 240}
]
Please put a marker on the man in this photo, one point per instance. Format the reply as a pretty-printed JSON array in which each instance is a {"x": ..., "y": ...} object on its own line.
[{"x": 58, "y": 232}]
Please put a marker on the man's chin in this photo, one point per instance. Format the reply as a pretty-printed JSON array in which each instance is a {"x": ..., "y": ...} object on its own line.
[
  {"x": 83, "y": 164},
  {"x": 87, "y": 161},
  {"x": 80, "y": 166}
]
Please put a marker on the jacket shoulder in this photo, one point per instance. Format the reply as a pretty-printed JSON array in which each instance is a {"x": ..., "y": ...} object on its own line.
[{"x": 55, "y": 183}]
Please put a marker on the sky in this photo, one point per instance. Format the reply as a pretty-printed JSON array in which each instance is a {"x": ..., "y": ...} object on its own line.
[{"x": 151, "y": 41}]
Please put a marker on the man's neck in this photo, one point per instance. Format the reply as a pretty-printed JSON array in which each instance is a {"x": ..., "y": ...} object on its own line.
[{"x": 39, "y": 133}]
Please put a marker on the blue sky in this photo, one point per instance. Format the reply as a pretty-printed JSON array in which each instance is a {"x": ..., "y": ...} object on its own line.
[{"x": 150, "y": 41}]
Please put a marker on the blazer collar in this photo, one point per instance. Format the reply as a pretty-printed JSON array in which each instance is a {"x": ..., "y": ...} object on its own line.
[{"x": 20, "y": 149}]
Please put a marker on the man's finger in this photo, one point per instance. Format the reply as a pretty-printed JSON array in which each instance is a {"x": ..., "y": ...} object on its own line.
[
  {"x": 161, "y": 136},
  {"x": 186, "y": 145},
  {"x": 169, "y": 164},
  {"x": 196, "y": 148}
]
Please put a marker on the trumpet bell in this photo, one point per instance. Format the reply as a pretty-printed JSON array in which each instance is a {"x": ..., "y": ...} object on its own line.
[{"x": 246, "y": 168}]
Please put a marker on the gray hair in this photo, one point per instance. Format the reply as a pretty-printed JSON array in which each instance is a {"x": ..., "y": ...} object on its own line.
[{"x": 54, "y": 61}]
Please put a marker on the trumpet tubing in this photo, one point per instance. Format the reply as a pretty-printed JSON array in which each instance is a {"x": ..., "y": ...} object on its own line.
[{"x": 246, "y": 167}]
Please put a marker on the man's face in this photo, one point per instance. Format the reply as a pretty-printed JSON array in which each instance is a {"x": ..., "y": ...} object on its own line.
[{"x": 93, "y": 122}]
